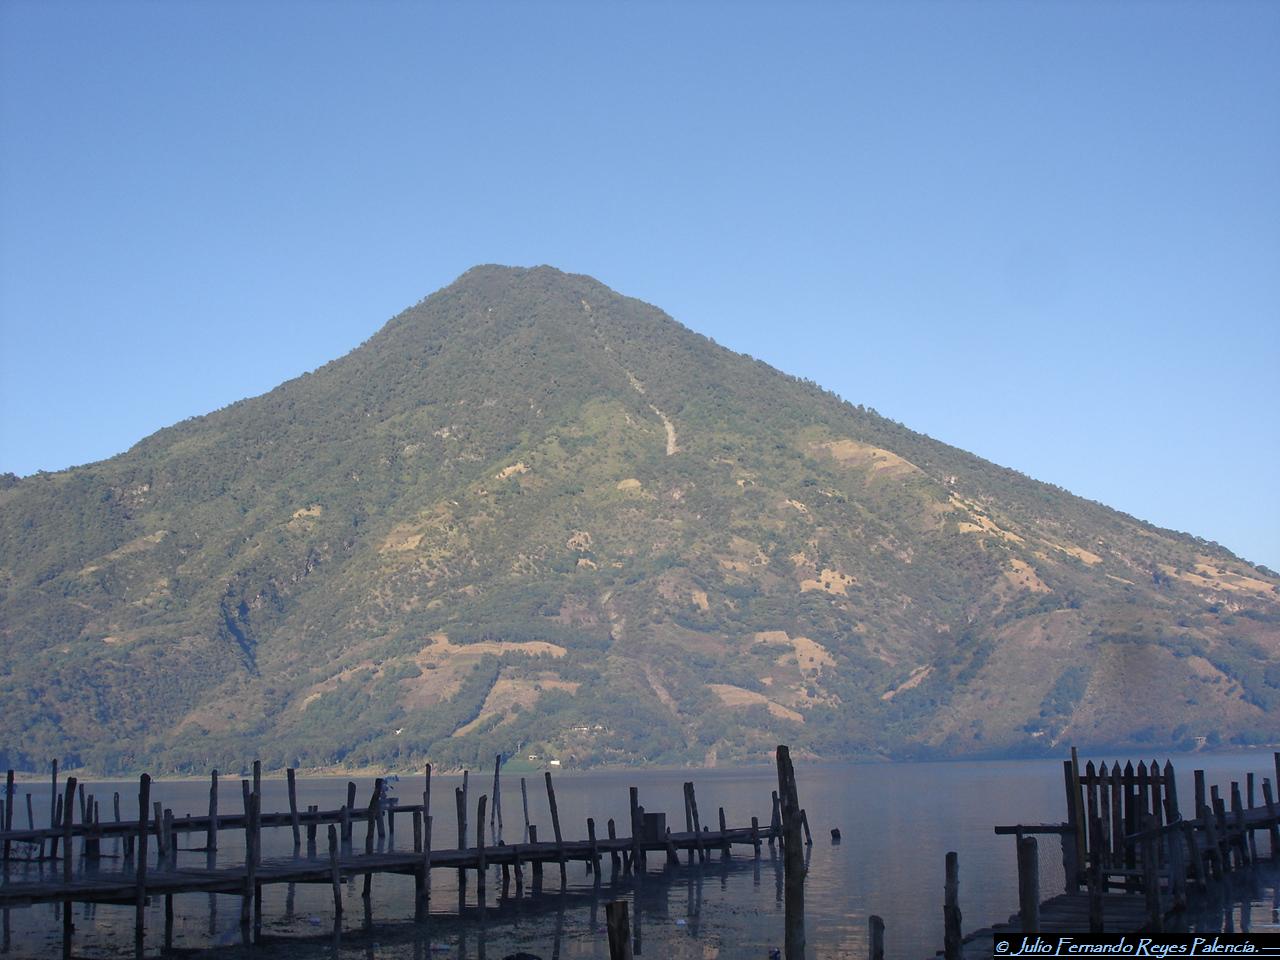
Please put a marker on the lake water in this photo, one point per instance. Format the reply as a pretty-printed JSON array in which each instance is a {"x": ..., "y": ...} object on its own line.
[{"x": 897, "y": 820}]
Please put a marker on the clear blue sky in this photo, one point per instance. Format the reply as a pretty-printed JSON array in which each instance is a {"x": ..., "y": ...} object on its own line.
[{"x": 1045, "y": 232}]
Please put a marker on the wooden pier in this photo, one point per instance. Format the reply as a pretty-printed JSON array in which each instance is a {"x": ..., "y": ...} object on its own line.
[
  {"x": 1132, "y": 862},
  {"x": 331, "y": 854}
]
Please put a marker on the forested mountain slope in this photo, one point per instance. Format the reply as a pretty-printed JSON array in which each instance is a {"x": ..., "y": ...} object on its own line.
[{"x": 535, "y": 516}]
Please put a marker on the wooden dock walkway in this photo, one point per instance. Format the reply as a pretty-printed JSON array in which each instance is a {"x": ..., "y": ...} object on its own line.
[
  {"x": 137, "y": 875},
  {"x": 120, "y": 886},
  {"x": 1132, "y": 862}
]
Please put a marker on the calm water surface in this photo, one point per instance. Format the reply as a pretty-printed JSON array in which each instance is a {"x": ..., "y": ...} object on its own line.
[{"x": 897, "y": 820}]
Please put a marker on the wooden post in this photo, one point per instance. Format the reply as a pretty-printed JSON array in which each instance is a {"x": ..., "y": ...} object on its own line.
[
  {"x": 519, "y": 869},
  {"x": 461, "y": 817},
  {"x": 1092, "y": 780},
  {"x": 140, "y": 878},
  {"x": 426, "y": 793},
  {"x": 1151, "y": 878},
  {"x": 537, "y": 863},
  {"x": 1199, "y": 793},
  {"x": 347, "y": 825},
  {"x": 170, "y": 839},
  {"x": 1029, "y": 884},
  {"x": 53, "y": 811},
  {"x": 755, "y": 836},
  {"x": 8, "y": 811},
  {"x": 1171, "y": 810},
  {"x": 804, "y": 822},
  {"x": 1237, "y": 816},
  {"x": 313, "y": 822},
  {"x": 69, "y": 816},
  {"x": 250, "y": 860},
  {"x": 1095, "y": 875},
  {"x": 426, "y": 865},
  {"x": 595, "y": 849},
  {"x": 637, "y": 825},
  {"x": 1248, "y": 799},
  {"x": 291, "y": 774},
  {"x": 775, "y": 822},
  {"x": 495, "y": 815},
  {"x": 1117, "y": 816},
  {"x": 951, "y": 919},
  {"x": 1177, "y": 869},
  {"x": 57, "y": 822},
  {"x": 555, "y": 825},
  {"x": 613, "y": 853},
  {"x": 465, "y": 789},
  {"x": 161, "y": 850},
  {"x": 480, "y": 861},
  {"x": 371, "y": 815},
  {"x": 1075, "y": 813},
  {"x": 1193, "y": 851},
  {"x": 1273, "y": 818},
  {"x": 1132, "y": 824},
  {"x": 524, "y": 799},
  {"x": 419, "y": 874},
  {"x": 673, "y": 856},
  {"x": 1214, "y": 831},
  {"x": 1143, "y": 784},
  {"x": 875, "y": 938},
  {"x": 255, "y": 821},
  {"x": 793, "y": 856},
  {"x": 335, "y": 875},
  {"x": 697, "y": 824},
  {"x": 619, "y": 925},
  {"x": 211, "y": 834}
]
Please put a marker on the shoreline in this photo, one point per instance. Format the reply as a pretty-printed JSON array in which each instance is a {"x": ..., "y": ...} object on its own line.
[{"x": 403, "y": 773}]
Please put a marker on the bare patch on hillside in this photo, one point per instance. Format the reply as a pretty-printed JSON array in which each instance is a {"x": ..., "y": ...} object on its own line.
[
  {"x": 672, "y": 447},
  {"x": 440, "y": 646},
  {"x": 732, "y": 696},
  {"x": 137, "y": 545},
  {"x": 829, "y": 581},
  {"x": 1088, "y": 557},
  {"x": 808, "y": 655},
  {"x": 850, "y": 453},
  {"x": 403, "y": 537},
  {"x": 1210, "y": 576},
  {"x": 1023, "y": 576},
  {"x": 917, "y": 677},
  {"x": 631, "y": 483},
  {"x": 515, "y": 468},
  {"x": 660, "y": 691},
  {"x": 508, "y": 692},
  {"x": 979, "y": 521}
]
